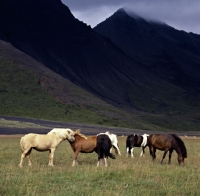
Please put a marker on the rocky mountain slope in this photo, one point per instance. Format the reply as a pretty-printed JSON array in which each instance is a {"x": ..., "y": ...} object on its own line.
[{"x": 173, "y": 55}]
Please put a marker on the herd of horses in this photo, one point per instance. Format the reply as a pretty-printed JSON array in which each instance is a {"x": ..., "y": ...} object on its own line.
[{"x": 101, "y": 144}]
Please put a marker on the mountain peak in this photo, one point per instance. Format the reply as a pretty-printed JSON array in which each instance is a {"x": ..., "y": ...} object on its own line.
[{"x": 121, "y": 10}]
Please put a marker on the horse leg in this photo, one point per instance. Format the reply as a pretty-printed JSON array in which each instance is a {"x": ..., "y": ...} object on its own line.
[
  {"x": 117, "y": 151},
  {"x": 51, "y": 154},
  {"x": 132, "y": 156},
  {"x": 28, "y": 157},
  {"x": 127, "y": 151},
  {"x": 142, "y": 152},
  {"x": 24, "y": 154},
  {"x": 75, "y": 158},
  {"x": 100, "y": 159},
  {"x": 170, "y": 155},
  {"x": 164, "y": 156},
  {"x": 152, "y": 151},
  {"x": 111, "y": 149},
  {"x": 105, "y": 159}
]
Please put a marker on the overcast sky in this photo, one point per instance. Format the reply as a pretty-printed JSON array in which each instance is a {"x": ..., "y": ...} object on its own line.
[{"x": 180, "y": 14}]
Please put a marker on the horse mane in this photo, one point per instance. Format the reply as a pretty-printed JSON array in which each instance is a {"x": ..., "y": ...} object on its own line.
[
  {"x": 136, "y": 137},
  {"x": 181, "y": 144},
  {"x": 77, "y": 132},
  {"x": 60, "y": 132},
  {"x": 145, "y": 135},
  {"x": 109, "y": 133}
]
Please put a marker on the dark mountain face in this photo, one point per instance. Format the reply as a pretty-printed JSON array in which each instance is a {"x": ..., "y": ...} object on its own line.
[
  {"x": 173, "y": 55},
  {"x": 119, "y": 74}
]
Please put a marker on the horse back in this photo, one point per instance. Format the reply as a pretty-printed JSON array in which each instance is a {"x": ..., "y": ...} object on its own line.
[
  {"x": 130, "y": 141},
  {"x": 28, "y": 138},
  {"x": 84, "y": 145},
  {"x": 161, "y": 141},
  {"x": 38, "y": 141}
]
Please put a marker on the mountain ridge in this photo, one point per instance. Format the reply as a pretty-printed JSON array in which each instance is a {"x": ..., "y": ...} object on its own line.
[
  {"x": 97, "y": 65},
  {"x": 136, "y": 38}
]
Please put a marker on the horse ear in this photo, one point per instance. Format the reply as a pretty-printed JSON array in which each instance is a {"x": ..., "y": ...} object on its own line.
[{"x": 77, "y": 131}]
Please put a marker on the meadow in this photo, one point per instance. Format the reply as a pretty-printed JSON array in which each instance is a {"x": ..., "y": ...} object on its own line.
[{"x": 123, "y": 177}]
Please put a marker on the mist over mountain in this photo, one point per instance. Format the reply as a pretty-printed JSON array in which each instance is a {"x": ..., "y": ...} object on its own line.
[
  {"x": 131, "y": 64},
  {"x": 173, "y": 55}
]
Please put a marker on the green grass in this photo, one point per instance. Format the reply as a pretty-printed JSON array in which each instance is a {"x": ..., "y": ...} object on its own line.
[
  {"x": 22, "y": 95},
  {"x": 123, "y": 177}
]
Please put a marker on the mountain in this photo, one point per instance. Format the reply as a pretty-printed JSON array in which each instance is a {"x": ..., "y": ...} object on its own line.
[
  {"x": 173, "y": 55},
  {"x": 82, "y": 70}
]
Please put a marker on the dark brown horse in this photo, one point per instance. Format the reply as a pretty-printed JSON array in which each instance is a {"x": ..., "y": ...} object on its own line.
[
  {"x": 83, "y": 144},
  {"x": 167, "y": 142}
]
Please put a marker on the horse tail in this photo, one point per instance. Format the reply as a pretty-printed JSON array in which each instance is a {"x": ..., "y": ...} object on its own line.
[
  {"x": 181, "y": 144},
  {"x": 21, "y": 143},
  {"x": 112, "y": 156},
  {"x": 129, "y": 142},
  {"x": 106, "y": 150},
  {"x": 104, "y": 147}
]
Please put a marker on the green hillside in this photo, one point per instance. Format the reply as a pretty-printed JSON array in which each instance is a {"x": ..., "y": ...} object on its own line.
[{"x": 22, "y": 95}]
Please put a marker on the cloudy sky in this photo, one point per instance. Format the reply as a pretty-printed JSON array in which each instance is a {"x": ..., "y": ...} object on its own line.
[{"x": 180, "y": 14}]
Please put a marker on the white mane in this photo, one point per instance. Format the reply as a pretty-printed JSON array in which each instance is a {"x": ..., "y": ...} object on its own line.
[
  {"x": 61, "y": 132},
  {"x": 144, "y": 142}
]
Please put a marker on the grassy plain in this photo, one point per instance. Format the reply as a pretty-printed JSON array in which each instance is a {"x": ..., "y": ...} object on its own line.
[{"x": 123, "y": 177}]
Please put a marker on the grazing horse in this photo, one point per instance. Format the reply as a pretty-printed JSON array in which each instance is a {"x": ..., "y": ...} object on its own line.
[
  {"x": 41, "y": 142},
  {"x": 135, "y": 140},
  {"x": 167, "y": 142},
  {"x": 114, "y": 141},
  {"x": 103, "y": 148}
]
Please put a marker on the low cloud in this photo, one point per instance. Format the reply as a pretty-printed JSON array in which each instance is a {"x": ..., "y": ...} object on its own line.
[{"x": 180, "y": 14}]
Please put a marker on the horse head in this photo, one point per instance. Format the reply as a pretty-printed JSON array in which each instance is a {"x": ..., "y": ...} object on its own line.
[
  {"x": 181, "y": 149},
  {"x": 181, "y": 159},
  {"x": 70, "y": 135}
]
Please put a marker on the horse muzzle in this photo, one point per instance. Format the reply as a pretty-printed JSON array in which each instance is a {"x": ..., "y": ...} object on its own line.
[{"x": 72, "y": 139}]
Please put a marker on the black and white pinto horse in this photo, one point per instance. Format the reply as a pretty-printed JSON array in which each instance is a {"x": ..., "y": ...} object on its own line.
[
  {"x": 114, "y": 141},
  {"x": 103, "y": 149},
  {"x": 135, "y": 140}
]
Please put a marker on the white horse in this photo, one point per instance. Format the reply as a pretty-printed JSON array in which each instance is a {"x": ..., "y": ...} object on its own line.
[
  {"x": 44, "y": 142},
  {"x": 114, "y": 141}
]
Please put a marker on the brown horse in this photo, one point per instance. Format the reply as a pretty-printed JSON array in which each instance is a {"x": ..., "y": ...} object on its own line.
[
  {"x": 83, "y": 144},
  {"x": 167, "y": 142}
]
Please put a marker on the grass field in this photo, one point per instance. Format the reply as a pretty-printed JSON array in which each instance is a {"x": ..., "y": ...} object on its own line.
[{"x": 123, "y": 177}]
